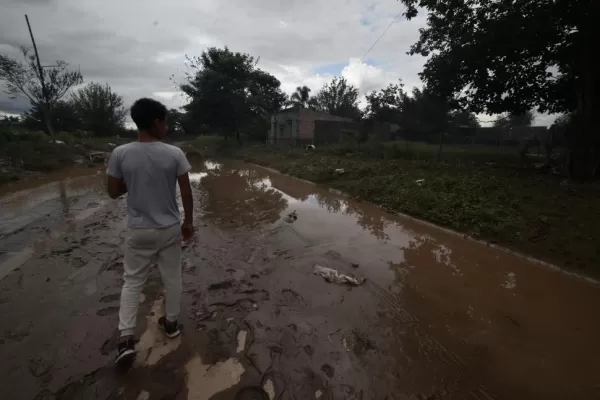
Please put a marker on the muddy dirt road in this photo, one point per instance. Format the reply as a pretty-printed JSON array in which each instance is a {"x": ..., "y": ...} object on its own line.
[{"x": 438, "y": 317}]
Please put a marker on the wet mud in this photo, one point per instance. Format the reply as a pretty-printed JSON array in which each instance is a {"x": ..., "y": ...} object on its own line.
[{"x": 437, "y": 316}]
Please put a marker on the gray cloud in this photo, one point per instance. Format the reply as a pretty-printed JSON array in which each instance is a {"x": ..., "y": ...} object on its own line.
[{"x": 136, "y": 46}]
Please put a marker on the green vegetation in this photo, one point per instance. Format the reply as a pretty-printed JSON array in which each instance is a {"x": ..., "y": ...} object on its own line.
[
  {"x": 485, "y": 192},
  {"x": 38, "y": 152},
  {"x": 512, "y": 56},
  {"x": 229, "y": 94},
  {"x": 43, "y": 89}
]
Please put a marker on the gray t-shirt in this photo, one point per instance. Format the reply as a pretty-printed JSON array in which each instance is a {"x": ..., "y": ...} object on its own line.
[{"x": 150, "y": 171}]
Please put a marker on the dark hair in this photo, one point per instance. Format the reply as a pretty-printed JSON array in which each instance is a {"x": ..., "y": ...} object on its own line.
[{"x": 145, "y": 111}]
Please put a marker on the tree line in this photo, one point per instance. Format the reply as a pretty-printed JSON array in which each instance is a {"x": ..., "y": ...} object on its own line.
[
  {"x": 55, "y": 106},
  {"x": 228, "y": 95},
  {"x": 494, "y": 57}
]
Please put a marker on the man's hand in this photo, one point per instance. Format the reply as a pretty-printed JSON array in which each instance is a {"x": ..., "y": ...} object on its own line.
[
  {"x": 116, "y": 187},
  {"x": 187, "y": 230},
  {"x": 123, "y": 187}
]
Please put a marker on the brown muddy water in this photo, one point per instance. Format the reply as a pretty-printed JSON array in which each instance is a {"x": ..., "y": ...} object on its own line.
[{"x": 438, "y": 317}]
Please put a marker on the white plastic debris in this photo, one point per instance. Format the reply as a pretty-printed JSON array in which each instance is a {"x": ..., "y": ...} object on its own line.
[
  {"x": 345, "y": 343},
  {"x": 333, "y": 276},
  {"x": 310, "y": 147},
  {"x": 420, "y": 182},
  {"x": 241, "y": 341},
  {"x": 57, "y": 142},
  {"x": 339, "y": 171},
  {"x": 291, "y": 217},
  {"x": 269, "y": 387}
]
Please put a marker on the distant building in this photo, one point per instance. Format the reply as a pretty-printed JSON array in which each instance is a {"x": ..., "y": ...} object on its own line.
[
  {"x": 514, "y": 137},
  {"x": 296, "y": 125},
  {"x": 301, "y": 126}
]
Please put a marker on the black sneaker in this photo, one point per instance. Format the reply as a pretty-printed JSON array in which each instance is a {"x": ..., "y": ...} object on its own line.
[
  {"x": 125, "y": 352},
  {"x": 171, "y": 328}
]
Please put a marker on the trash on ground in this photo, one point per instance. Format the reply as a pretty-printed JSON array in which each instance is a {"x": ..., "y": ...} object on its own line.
[
  {"x": 345, "y": 343},
  {"x": 97, "y": 156},
  {"x": 333, "y": 333},
  {"x": 310, "y": 147},
  {"x": 339, "y": 171},
  {"x": 331, "y": 275},
  {"x": 291, "y": 217},
  {"x": 420, "y": 182}
]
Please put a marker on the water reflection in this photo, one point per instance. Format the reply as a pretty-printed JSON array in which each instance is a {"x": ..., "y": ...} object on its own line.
[
  {"x": 248, "y": 196},
  {"x": 67, "y": 196},
  {"x": 237, "y": 197}
]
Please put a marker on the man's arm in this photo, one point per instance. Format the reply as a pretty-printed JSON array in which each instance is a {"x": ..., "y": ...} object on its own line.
[
  {"x": 116, "y": 187},
  {"x": 187, "y": 229}
]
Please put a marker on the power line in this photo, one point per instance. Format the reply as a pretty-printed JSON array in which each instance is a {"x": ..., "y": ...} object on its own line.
[{"x": 384, "y": 32}]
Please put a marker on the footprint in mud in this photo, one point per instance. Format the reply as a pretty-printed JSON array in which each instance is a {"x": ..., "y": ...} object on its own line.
[
  {"x": 76, "y": 262},
  {"x": 328, "y": 370},
  {"x": 45, "y": 394},
  {"x": 252, "y": 393},
  {"x": 309, "y": 350},
  {"x": 291, "y": 298},
  {"x": 117, "y": 266},
  {"x": 100, "y": 384},
  {"x": 246, "y": 286},
  {"x": 360, "y": 343},
  {"x": 110, "y": 298},
  {"x": 107, "y": 311},
  {"x": 256, "y": 295},
  {"x": 228, "y": 284},
  {"x": 109, "y": 345},
  {"x": 43, "y": 362}
]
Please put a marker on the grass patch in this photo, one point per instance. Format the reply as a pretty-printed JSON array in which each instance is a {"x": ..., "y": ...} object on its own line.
[
  {"x": 485, "y": 192},
  {"x": 35, "y": 151}
]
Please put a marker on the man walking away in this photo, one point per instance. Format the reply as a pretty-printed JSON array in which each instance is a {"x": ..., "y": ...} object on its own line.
[{"x": 148, "y": 170}]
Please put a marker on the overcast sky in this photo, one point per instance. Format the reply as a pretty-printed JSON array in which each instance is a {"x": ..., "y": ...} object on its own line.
[{"x": 135, "y": 46}]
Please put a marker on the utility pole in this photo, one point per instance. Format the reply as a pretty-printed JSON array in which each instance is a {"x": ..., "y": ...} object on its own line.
[{"x": 46, "y": 106}]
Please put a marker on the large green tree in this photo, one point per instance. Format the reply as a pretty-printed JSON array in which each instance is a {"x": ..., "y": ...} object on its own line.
[
  {"x": 62, "y": 117},
  {"x": 514, "y": 120},
  {"x": 386, "y": 105},
  {"x": 421, "y": 114},
  {"x": 23, "y": 78},
  {"x": 499, "y": 56},
  {"x": 175, "y": 122},
  {"x": 338, "y": 98},
  {"x": 301, "y": 97},
  {"x": 99, "y": 109},
  {"x": 464, "y": 119},
  {"x": 425, "y": 115},
  {"x": 229, "y": 94}
]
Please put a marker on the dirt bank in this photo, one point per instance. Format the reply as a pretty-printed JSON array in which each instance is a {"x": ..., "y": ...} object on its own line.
[
  {"x": 438, "y": 317},
  {"x": 30, "y": 155}
]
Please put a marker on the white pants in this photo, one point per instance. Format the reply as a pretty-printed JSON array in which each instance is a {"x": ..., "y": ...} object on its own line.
[{"x": 142, "y": 245}]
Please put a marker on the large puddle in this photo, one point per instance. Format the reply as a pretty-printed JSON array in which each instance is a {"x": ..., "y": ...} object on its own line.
[
  {"x": 520, "y": 324},
  {"x": 453, "y": 311}
]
